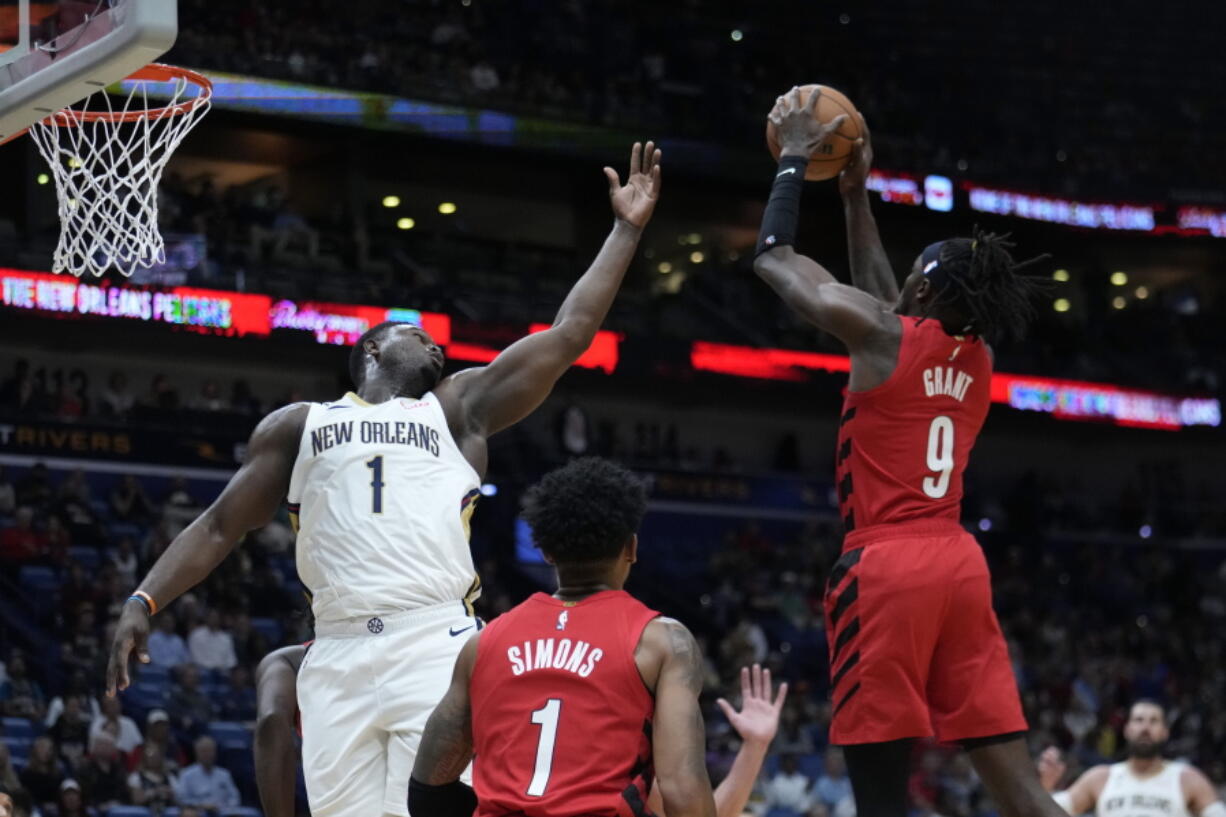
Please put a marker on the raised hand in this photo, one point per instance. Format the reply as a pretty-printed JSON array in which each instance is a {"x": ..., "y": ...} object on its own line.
[
  {"x": 855, "y": 175},
  {"x": 1051, "y": 768},
  {"x": 800, "y": 134},
  {"x": 131, "y": 634},
  {"x": 758, "y": 720},
  {"x": 634, "y": 201}
]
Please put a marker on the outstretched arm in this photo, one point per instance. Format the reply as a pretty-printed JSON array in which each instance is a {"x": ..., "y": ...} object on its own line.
[
  {"x": 249, "y": 500},
  {"x": 521, "y": 377},
  {"x": 756, "y": 723},
  {"x": 276, "y": 751},
  {"x": 678, "y": 735},
  {"x": 808, "y": 288},
  {"x": 1201, "y": 796},
  {"x": 870, "y": 267}
]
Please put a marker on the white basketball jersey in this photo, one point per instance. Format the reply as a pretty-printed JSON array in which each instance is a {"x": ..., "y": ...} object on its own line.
[
  {"x": 1127, "y": 795},
  {"x": 381, "y": 497}
]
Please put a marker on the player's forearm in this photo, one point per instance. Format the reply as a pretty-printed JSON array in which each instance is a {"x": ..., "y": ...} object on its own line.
[
  {"x": 732, "y": 794},
  {"x": 276, "y": 760},
  {"x": 589, "y": 301},
  {"x": 189, "y": 559},
  {"x": 687, "y": 796},
  {"x": 870, "y": 267}
]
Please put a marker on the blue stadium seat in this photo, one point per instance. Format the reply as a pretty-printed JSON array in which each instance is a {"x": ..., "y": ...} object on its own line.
[
  {"x": 229, "y": 733},
  {"x": 241, "y": 811},
  {"x": 38, "y": 578},
  {"x": 153, "y": 674},
  {"x": 129, "y": 811},
  {"x": 18, "y": 747},
  {"x": 811, "y": 766},
  {"x": 87, "y": 557},
  {"x": 121, "y": 529},
  {"x": 20, "y": 728},
  {"x": 270, "y": 627}
]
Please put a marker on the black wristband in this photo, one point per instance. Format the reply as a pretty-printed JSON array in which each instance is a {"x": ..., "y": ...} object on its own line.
[
  {"x": 449, "y": 800},
  {"x": 783, "y": 208}
]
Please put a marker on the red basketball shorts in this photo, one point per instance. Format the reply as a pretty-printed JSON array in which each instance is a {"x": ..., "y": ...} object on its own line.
[{"x": 915, "y": 648}]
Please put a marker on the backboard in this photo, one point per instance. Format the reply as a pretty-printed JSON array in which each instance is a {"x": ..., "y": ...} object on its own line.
[{"x": 53, "y": 54}]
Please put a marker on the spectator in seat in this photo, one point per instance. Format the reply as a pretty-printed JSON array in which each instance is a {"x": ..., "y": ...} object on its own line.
[
  {"x": 121, "y": 728},
  {"x": 157, "y": 733},
  {"x": 166, "y": 647},
  {"x": 81, "y": 650},
  {"x": 162, "y": 395},
  {"x": 8, "y": 494},
  {"x": 20, "y": 695},
  {"x": 43, "y": 772},
  {"x": 788, "y": 790},
  {"x": 8, "y": 774},
  {"x": 240, "y": 702},
  {"x": 152, "y": 785},
  {"x": 210, "y": 398},
  {"x": 190, "y": 709},
  {"x": 832, "y": 786},
  {"x": 72, "y": 802},
  {"x": 71, "y": 730},
  {"x": 129, "y": 503},
  {"x": 204, "y": 784},
  {"x": 78, "y": 685},
  {"x": 34, "y": 489},
  {"x": 123, "y": 557},
  {"x": 117, "y": 397},
  {"x": 104, "y": 780},
  {"x": 210, "y": 646},
  {"x": 22, "y": 544}
]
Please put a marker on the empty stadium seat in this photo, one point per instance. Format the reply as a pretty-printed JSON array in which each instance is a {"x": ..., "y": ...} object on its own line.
[
  {"x": 129, "y": 811},
  {"x": 270, "y": 627},
  {"x": 19, "y": 747},
  {"x": 230, "y": 733},
  {"x": 241, "y": 811},
  {"x": 87, "y": 557},
  {"x": 38, "y": 578},
  {"x": 20, "y": 728}
]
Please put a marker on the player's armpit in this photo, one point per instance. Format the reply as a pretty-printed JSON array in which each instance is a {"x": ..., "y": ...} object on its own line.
[
  {"x": 850, "y": 314},
  {"x": 1201, "y": 797},
  {"x": 447, "y": 743},
  {"x": 678, "y": 735},
  {"x": 1082, "y": 796}
]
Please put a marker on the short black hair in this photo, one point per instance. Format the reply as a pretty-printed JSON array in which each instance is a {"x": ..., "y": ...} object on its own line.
[
  {"x": 1148, "y": 702},
  {"x": 585, "y": 511},
  {"x": 357, "y": 354},
  {"x": 983, "y": 284}
]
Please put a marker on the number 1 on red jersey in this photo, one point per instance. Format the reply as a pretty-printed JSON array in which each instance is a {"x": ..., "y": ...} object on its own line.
[{"x": 547, "y": 718}]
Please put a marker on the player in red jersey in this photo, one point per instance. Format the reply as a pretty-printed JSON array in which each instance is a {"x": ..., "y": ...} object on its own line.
[
  {"x": 915, "y": 647},
  {"x": 568, "y": 701}
]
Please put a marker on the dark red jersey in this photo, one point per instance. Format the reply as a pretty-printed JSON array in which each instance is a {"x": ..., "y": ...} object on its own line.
[
  {"x": 561, "y": 717},
  {"x": 904, "y": 445}
]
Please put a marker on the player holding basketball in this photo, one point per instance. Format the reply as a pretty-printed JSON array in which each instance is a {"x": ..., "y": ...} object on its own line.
[
  {"x": 914, "y": 643},
  {"x": 382, "y": 483},
  {"x": 1144, "y": 785},
  {"x": 569, "y": 700}
]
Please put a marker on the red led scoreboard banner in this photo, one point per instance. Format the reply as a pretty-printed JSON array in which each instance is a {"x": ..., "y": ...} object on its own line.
[
  {"x": 1064, "y": 399},
  {"x": 202, "y": 310}
]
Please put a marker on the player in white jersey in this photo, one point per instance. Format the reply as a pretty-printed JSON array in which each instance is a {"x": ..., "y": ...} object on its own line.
[
  {"x": 382, "y": 483},
  {"x": 1144, "y": 785}
]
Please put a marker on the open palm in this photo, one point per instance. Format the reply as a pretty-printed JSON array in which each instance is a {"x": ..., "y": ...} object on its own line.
[
  {"x": 758, "y": 720},
  {"x": 634, "y": 201}
]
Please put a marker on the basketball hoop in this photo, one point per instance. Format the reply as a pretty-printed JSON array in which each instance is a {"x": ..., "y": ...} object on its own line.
[{"x": 107, "y": 164}]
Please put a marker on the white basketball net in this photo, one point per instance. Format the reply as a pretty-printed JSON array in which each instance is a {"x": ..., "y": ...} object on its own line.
[{"x": 107, "y": 172}]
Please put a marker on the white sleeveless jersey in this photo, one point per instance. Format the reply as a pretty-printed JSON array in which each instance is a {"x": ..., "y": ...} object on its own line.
[
  {"x": 381, "y": 498},
  {"x": 1126, "y": 795}
]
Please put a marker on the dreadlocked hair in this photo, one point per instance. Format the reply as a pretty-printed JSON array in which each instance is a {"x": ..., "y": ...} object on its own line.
[{"x": 983, "y": 284}]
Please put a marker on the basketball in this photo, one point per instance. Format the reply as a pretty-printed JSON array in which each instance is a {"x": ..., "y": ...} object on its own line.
[{"x": 834, "y": 155}]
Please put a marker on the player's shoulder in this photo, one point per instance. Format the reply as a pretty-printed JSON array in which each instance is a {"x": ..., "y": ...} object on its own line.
[
  {"x": 282, "y": 425},
  {"x": 1191, "y": 778},
  {"x": 1096, "y": 776},
  {"x": 668, "y": 639}
]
